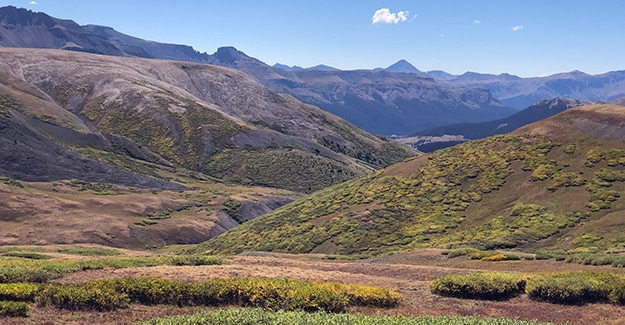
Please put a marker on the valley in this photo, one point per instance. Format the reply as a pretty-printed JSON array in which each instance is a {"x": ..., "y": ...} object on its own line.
[{"x": 141, "y": 180}]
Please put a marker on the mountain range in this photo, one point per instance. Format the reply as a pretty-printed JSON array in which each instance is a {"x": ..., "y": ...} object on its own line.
[
  {"x": 382, "y": 101},
  {"x": 397, "y": 100},
  {"x": 520, "y": 93}
]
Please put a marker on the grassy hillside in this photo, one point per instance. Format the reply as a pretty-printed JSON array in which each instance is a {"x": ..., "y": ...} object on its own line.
[
  {"x": 209, "y": 119},
  {"x": 555, "y": 183}
]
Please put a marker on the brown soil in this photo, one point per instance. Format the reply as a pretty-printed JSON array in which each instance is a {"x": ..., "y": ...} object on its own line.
[{"x": 407, "y": 273}]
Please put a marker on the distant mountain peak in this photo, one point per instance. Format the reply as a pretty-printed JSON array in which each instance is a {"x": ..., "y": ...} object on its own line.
[
  {"x": 229, "y": 54},
  {"x": 287, "y": 68},
  {"x": 402, "y": 66},
  {"x": 323, "y": 67}
]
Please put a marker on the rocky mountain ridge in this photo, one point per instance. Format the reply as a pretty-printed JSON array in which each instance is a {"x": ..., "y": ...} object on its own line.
[{"x": 383, "y": 103}]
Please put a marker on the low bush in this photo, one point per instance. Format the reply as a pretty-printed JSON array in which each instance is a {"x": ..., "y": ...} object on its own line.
[
  {"x": 459, "y": 252},
  {"x": 14, "y": 309},
  {"x": 478, "y": 255},
  {"x": 270, "y": 294},
  {"x": 18, "y": 291},
  {"x": 501, "y": 257},
  {"x": 575, "y": 289},
  {"x": 89, "y": 296},
  {"x": 363, "y": 295},
  {"x": 84, "y": 251},
  {"x": 41, "y": 271},
  {"x": 489, "y": 286},
  {"x": 29, "y": 255},
  {"x": 196, "y": 260}
]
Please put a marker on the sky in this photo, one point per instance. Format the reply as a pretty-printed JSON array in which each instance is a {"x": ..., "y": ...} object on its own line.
[{"x": 522, "y": 37}]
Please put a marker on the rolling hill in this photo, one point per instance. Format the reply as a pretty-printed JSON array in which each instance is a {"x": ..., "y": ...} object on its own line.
[{"x": 553, "y": 184}]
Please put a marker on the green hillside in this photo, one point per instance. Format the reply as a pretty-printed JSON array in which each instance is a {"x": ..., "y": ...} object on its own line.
[{"x": 553, "y": 184}]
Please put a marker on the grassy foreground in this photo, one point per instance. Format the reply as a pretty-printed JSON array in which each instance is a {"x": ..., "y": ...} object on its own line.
[{"x": 258, "y": 316}]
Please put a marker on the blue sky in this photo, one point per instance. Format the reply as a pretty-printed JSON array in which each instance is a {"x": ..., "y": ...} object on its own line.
[{"x": 522, "y": 37}]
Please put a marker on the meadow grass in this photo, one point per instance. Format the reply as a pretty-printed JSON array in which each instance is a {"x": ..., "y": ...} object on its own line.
[{"x": 239, "y": 316}]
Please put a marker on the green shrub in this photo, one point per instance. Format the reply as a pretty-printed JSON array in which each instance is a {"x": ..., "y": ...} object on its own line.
[
  {"x": 479, "y": 255},
  {"x": 29, "y": 255},
  {"x": 617, "y": 293},
  {"x": 573, "y": 289},
  {"x": 491, "y": 286},
  {"x": 89, "y": 296},
  {"x": 501, "y": 257},
  {"x": 14, "y": 309},
  {"x": 459, "y": 252},
  {"x": 272, "y": 294},
  {"x": 542, "y": 256},
  {"x": 30, "y": 274},
  {"x": 196, "y": 260},
  {"x": 83, "y": 251},
  {"x": 150, "y": 291},
  {"x": 18, "y": 291}
]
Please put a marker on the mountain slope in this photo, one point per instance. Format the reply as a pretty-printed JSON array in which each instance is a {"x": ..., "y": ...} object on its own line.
[
  {"x": 79, "y": 187},
  {"x": 205, "y": 118},
  {"x": 554, "y": 183},
  {"x": 433, "y": 139}
]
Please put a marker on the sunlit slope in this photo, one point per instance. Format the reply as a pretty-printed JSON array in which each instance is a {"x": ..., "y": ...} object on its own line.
[
  {"x": 554, "y": 183},
  {"x": 205, "y": 118}
]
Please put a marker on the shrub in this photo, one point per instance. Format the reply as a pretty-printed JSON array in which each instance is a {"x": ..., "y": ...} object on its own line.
[
  {"x": 501, "y": 257},
  {"x": 363, "y": 295},
  {"x": 196, "y": 260},
  {"x": 149, "y": 291},
  {"x": 89, "y": 296},
  {"x": 459, "y": 252},
  {"x": 617, "y": 293},
  {"x": 491, "y": 286},
  {"x": 574, "y": 289},
  {"x": 18, "y": 291},
  {"x": 14, "y": 309},
  {"x": 29, "y": 255},
  {"x": 84, "y": 251},
  {"x": 272, "y": 294},
  {"x": 478, "y": 255}
]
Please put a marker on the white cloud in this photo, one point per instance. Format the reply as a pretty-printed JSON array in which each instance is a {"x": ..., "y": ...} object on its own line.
[
  {"x": 385, "y": 16},
  {"x": 33, "y": 2},
  {"x": 477, "y": 22},
  {"x": 517, "y": 28}
]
